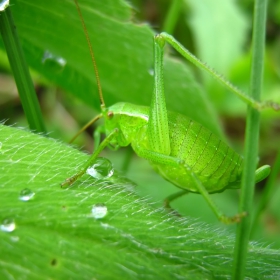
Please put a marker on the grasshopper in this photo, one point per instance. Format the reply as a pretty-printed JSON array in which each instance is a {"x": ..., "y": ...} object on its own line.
[{"x": 181, "y": 150}]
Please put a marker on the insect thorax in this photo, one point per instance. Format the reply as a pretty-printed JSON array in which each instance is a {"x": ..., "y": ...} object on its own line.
[{"x": 129, "y": 119}]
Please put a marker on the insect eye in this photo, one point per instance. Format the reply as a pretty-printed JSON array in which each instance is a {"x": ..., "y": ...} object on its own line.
[{"x": 110, "y": 115}]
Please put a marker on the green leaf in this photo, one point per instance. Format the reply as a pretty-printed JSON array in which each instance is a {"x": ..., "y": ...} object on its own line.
[
  {"x": 55, "y": 46},
  {"x": 212, "y": 17},
  {"x": 57, "y": 237},
  {"x": 219, "y": 30}
]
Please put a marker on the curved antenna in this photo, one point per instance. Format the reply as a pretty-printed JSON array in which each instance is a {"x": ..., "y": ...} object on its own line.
[{"x": 92, "y": 56}]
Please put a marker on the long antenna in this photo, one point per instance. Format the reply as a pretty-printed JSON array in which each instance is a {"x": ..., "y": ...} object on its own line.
[{"x": 92, "y": 56}]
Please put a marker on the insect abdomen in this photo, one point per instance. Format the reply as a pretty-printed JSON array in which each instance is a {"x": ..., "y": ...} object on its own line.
[{"x": 214, "y": 162}]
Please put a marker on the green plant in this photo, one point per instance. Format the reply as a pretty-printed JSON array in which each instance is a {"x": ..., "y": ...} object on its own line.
[{"x": 55, "y": 229}]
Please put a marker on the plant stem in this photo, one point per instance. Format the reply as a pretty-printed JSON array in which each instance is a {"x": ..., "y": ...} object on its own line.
[
  {"x": 251, "y": 141},
  {"x": 21, "y": 73}
]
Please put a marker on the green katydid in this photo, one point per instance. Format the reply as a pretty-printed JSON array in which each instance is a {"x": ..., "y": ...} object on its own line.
[{"x": 179, "y": 149}]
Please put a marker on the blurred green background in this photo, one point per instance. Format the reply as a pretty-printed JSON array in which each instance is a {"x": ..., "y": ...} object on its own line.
[{"x": 218, "y": 32}]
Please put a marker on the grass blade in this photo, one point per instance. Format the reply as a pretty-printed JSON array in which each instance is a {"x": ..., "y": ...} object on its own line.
[
  {"x": 251, "y": 141},
  {"x": 21, "y": 73}
]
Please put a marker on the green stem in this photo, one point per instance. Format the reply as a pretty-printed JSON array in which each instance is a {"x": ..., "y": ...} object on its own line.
[
  {"x": 21, "y": 73},
  {"x": 251, "y": 141}
]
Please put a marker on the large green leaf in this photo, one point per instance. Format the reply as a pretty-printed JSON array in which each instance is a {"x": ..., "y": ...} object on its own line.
[
  {"x": 211, "y": 17},
  {"x": 220, "y": 32},
  {"x": 57, "y": 237},
  {"x": 55, "y": 46}
]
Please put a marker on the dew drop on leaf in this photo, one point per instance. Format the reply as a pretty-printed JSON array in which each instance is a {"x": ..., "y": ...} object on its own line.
[
  {"x": 4, "y": 4},
  {"x": 99, "y": 210},
  {"x": 151, "y": 71},
  {"x": 26, "y": 194},
  {"x": 56, "y": 63},
  {"x": 8, "y": 225},
  {"x": 101, "y": 169}
]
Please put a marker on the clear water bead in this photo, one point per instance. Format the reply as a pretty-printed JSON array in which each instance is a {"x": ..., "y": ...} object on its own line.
[
  {"x": 101, "y": 169},
  {"x": 26, "y": 194},
  {"x": 8, "y": 225},
  {"x": 99, "y": 210},
  {"x": 4, "y": 4},
  {"x": 57, "y": 63}
]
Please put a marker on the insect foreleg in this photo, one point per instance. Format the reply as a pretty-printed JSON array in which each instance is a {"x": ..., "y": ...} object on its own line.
[
  {"x": 97, "y": 136},
  {"x": 189, "y": 56},
  {"x": 91, "y": 160}
]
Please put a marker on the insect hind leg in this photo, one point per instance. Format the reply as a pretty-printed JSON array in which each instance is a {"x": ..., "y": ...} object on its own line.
[
  {"x": 223, "y": 218},
  {"x": 158, "y": 158},
  {"x": 194, "y": 60}
]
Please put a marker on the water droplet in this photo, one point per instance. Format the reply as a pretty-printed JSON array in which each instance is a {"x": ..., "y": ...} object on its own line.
[
  {"x": 151, "y": 71},
  {"x": 57, "y": 63},
  {"x": 4, "y": 4},
  {"x": 101, "y": 169},
  {"x": 26, "y": 194},
  {"x": 99, "y": 210},
  {"x": 8, "y": 225}
]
